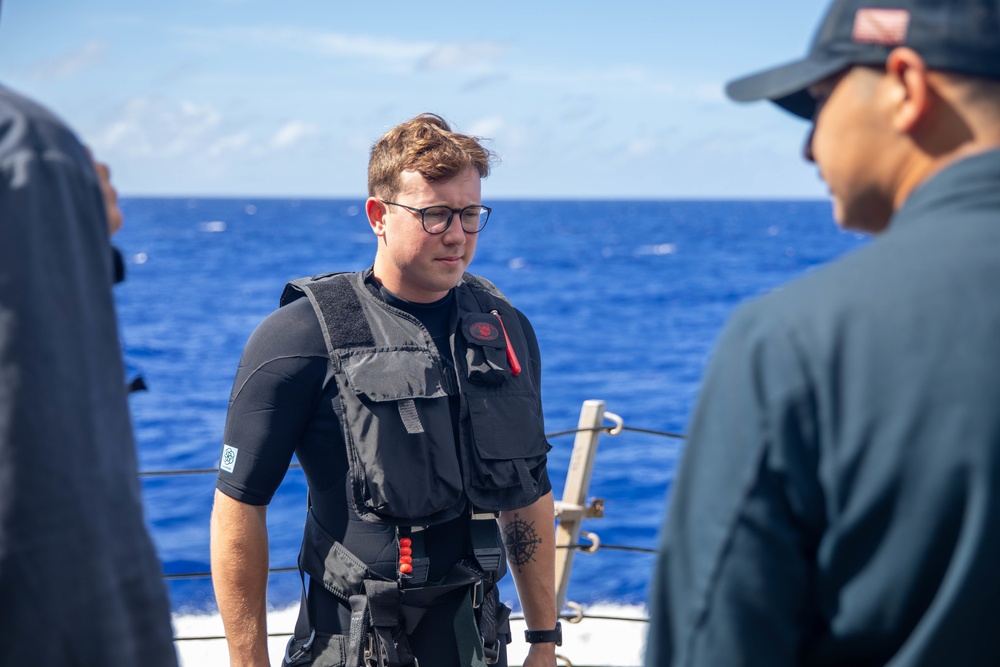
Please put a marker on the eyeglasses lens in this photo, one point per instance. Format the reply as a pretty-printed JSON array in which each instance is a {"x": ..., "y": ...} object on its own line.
[{"x": 437, "y": 218}]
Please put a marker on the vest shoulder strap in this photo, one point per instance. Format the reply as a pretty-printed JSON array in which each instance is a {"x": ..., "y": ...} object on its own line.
[
  {"x": 337, "y": 306},
  {"x": 341, "y": 316},
  {"x": 487, "y": 295},
  {"x": 478, "y": 282}
]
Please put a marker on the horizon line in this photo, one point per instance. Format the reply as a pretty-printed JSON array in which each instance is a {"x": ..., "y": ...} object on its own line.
[{"x": 505, "y": 198}]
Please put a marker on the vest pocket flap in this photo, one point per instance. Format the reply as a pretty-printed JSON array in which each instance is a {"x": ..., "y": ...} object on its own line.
[
  {"x": 506, "y": 425},
  {"x": 393, "y": 375},
  {"x": 483, "y": 329}
]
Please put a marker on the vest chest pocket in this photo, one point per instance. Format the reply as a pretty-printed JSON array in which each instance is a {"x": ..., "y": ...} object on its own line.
[
  {"x": 486, "y": 349},
  {"x": 398, "y": 427},
  {"x": 510, "y": 442}
]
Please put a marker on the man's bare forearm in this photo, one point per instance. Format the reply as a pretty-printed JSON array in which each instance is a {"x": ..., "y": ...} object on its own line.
[
  {"x": 239, "y": 574},
  {"x": 529, "y": 538}
]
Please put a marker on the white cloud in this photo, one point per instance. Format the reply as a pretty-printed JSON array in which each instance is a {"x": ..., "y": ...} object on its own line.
[
  {"x": 420, "y": 54},
  {"x": 487, "y": 127},
  {"x": 483, "y": 82},
  {"x": 88, "y": 55},
  {"x": 290, "y": 134},
  {"x": 461, "y": 55},
  {"x": 333, "y": 44},
  {"x": 639, "y": 147},
  {"x": 150, "y": 127},
  {"x": 316, "y": 42},
  {"x": 156, "y": 128},
  {"x": 228, "y": 144},
  {"x": 601, "y": 82}
]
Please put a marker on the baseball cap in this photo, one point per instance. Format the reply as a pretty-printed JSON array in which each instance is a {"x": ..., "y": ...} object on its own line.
[{"x": 961, "y": 36}]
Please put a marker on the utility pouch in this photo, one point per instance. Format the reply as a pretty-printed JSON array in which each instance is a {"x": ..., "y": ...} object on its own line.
[{"x": 486, "y": 350}]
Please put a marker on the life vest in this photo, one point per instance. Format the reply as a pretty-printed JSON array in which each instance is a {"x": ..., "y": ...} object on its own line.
[
  {"x": 394, "y": 403},
  {"x": 411, "y": 466}
]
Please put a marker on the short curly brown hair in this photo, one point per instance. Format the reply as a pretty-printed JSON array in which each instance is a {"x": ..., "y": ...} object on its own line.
[{"x": 426, "y": 145}]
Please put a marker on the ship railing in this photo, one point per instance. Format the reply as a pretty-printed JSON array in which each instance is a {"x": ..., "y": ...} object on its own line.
[{"x": 570, "y": 512}]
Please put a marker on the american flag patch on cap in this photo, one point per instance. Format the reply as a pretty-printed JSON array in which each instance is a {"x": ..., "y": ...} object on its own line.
[{"x": 880, "y": 26}]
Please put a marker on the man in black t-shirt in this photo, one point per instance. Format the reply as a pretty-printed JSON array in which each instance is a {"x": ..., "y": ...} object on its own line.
[{"x": 386, "y": 386}]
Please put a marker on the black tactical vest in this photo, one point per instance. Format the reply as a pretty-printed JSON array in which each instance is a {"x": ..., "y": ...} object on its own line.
[{"x": 408, "y": 466}]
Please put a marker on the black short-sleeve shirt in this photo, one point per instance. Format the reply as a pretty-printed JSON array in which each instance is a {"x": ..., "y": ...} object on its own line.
[{"x": 282, "y": 404}]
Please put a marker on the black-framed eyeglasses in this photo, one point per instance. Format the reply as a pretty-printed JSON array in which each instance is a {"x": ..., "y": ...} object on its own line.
[{"x": 437, "y": 219}]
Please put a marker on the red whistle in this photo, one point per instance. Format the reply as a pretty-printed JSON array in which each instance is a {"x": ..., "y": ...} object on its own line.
[{"x": 515, "y": 366}]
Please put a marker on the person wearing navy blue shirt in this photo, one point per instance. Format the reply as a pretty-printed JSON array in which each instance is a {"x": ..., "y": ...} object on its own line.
[
  {"x": 80, "y": 582},
  {"x": 838, "y": 496}
]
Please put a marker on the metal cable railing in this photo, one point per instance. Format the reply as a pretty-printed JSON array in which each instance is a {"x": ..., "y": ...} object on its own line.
[
  {"x": 603, "y": 429},
  {"x": 588, "y": 548},
  {"x": 576, "y": 616}
]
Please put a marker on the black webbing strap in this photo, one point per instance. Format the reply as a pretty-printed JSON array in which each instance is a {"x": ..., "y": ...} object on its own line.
[
  {"x": 502, "y": 617},
  {"x": 468, "y": 641},
  {"x": 391, "y": 644},
  {"x": 485, "y": 545},
  {"x": 298, "y": 651},
  {"x": 489, "y": 556},
  {"x": 488, "y": 626},
  {"x": 524, "y": 476},
  {"x": 359, "y": 647}
]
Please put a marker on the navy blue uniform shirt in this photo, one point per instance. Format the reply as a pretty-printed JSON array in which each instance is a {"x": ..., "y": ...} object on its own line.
[
  {"x": 80, "y": 583},
  {"x": 838, "y": 501}
]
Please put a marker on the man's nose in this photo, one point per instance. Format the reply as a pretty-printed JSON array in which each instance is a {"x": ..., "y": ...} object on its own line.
[{"x": 454, "y": 225}]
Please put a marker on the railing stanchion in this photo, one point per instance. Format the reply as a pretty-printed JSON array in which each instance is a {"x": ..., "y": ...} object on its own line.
[{"x": 575, "y": 492}]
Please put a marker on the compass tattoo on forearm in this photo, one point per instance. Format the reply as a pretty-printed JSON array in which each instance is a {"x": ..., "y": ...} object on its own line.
[{"x": 521, "y": 541}]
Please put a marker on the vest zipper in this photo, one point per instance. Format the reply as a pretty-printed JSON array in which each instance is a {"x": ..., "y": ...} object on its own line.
[{"x": 515, "y": 366}]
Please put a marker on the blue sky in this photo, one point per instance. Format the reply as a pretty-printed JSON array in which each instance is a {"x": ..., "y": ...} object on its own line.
[{"x": 260, "y": 97}]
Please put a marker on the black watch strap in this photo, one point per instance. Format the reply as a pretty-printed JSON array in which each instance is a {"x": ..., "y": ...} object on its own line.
[{"x": 543, "y": 636}]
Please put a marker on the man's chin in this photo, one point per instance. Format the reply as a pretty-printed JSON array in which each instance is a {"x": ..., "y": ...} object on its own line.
[
  {"x": 861, "y": 221},
  {"x": 444, "y": 282}
]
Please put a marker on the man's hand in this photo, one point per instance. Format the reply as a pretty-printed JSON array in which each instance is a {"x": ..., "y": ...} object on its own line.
[
  {"x": 114, "y": 213},
  {"x": 541, "y": 655}
]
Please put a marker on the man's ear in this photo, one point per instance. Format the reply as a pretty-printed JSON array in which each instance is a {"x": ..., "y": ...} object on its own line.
[
  {"x": 376, "y": 215},
  {"x": 911, "y": 95}
]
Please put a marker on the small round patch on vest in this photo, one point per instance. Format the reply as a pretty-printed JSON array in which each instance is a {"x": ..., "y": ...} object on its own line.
[{"x": 483, "y": 331}]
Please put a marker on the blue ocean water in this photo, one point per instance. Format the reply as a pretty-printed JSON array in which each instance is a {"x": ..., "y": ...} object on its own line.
[{"x": 627, "y": 298}]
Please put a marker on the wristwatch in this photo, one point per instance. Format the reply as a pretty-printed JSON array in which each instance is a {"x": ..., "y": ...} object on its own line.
[{"x": 543, "y": 636}]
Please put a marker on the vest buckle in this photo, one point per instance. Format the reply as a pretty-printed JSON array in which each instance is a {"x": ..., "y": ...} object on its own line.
[
  {"x": 302, "y": 651},
  {"x": 478, "y": 594}
]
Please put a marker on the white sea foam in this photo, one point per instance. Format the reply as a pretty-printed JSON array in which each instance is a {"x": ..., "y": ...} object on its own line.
[
  {"x": 658, "y": 249},
  {"x": 593, "y": 641},
  {"x": 213, "y": 226}
]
